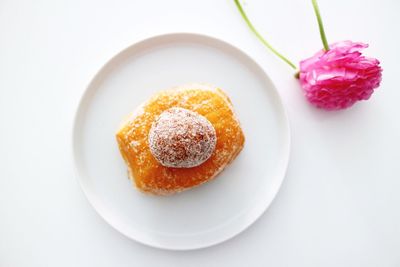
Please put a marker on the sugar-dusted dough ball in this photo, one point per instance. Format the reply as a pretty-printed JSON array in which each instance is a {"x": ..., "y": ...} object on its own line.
[{"x": 181, "y": 138}]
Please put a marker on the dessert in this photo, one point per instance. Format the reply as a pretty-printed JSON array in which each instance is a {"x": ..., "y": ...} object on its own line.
[{"x": 180, "y": 138}]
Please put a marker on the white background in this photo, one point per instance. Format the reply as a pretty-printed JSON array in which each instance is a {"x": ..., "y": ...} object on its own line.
[{"x": 339, "y": 204}]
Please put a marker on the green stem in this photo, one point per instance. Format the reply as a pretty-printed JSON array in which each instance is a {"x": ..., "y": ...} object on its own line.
[
  {"x": 320, "y": 25},
  {"x": 273, "y": 50}
]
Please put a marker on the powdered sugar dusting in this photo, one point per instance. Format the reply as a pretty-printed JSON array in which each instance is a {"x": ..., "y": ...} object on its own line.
[{"x": 181, "y": 138}]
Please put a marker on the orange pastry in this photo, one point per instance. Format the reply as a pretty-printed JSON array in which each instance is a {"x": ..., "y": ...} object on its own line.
[{"x": 180, "y": 138}]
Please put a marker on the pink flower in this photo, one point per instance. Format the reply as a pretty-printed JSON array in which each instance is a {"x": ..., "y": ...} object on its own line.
[{"x": 337, "y": 78}]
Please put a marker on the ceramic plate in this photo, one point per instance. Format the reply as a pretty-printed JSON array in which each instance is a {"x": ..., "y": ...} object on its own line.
[{"x": 208, "y": 214}]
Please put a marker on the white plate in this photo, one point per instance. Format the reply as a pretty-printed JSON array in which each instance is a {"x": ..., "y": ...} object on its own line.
[{"x": 208, "y": 214}]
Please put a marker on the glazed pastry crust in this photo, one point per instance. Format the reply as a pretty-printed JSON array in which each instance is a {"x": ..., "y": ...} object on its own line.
[{"x": 147, "y": 173}]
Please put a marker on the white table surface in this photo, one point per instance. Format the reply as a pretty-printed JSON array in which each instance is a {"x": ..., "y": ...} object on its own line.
[{"x": 339, "y": 204}]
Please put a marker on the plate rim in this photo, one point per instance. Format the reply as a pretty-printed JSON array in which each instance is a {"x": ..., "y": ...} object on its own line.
[{"x": 78, "y": 110}]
